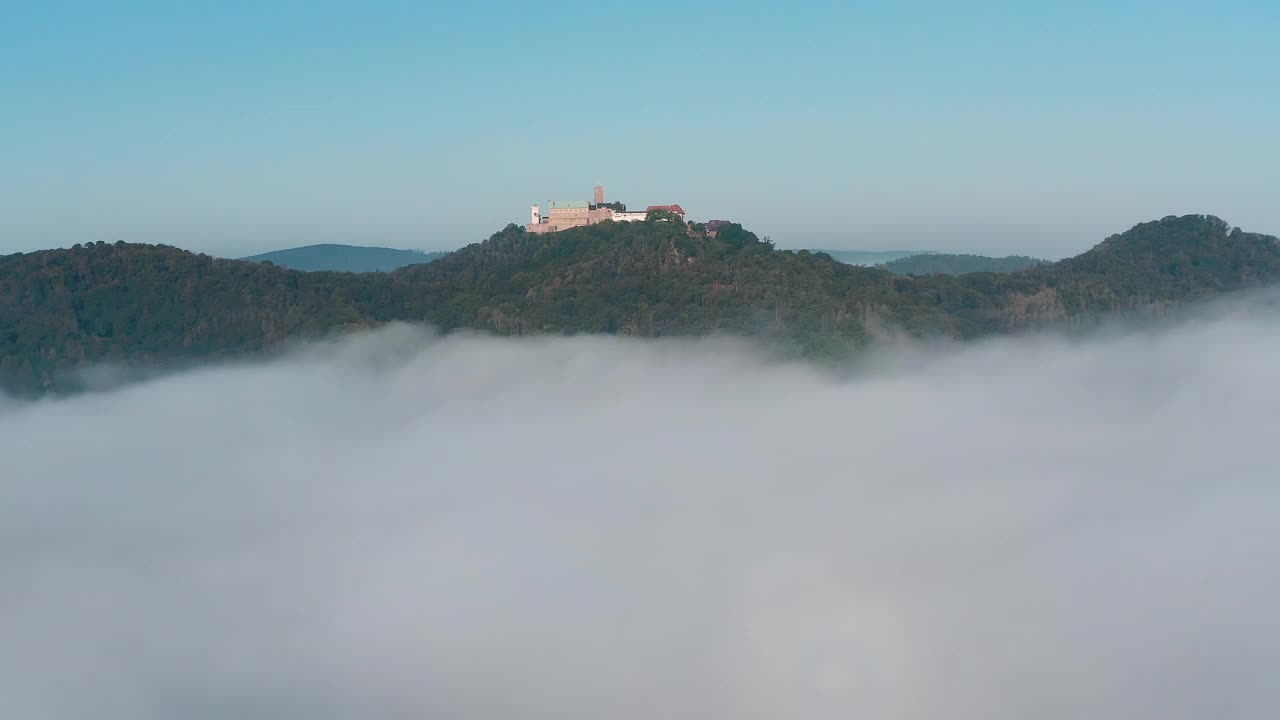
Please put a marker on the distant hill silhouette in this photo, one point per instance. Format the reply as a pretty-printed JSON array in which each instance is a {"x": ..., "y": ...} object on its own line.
[
  {"x": 945, "y": 264},
  {"x": 870, "y": 257},
  {"x": 152, "y": 306},
  {"x": 345, "y": 258}
]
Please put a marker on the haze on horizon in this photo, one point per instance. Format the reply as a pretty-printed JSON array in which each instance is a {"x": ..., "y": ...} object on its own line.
[{"x": 993, "y": 127}]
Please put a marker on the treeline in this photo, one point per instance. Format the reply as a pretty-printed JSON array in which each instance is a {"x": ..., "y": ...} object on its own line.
[{"x": 156, "y": 305}]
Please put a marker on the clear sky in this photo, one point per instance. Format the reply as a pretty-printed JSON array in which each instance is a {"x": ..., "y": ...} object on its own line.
[{"x": 1033, "y": 127}]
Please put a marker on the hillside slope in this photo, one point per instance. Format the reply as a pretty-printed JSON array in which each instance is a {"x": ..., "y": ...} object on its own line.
[
  {"x": 154, "y": 305},
  {"x": 344, "y": 258}
]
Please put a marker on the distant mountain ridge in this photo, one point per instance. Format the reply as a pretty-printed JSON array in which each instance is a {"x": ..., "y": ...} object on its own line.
[
  {"x": 345, "y": 258},
  {"x": 152, "y": 306},
  {"x": 948, "y": 264},
  {"x": 913, "y": 262},
  {"x": 871, "y": 257}
]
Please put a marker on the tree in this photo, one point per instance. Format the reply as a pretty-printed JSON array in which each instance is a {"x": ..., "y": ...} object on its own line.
[{"x": 660, "y": 215}]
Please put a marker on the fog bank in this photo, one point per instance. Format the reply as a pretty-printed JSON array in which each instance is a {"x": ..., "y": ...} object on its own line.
[{"x": 396, "y": 526}]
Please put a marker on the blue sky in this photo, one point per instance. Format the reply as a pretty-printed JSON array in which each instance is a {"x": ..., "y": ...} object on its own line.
[{"x": 235, "y": 127}]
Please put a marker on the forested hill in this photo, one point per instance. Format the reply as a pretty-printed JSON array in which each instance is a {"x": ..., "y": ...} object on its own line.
[
  {"x": 345, "y": 258},
  {"x": 154, "y": 305},
  {"x": 945, "y": 264}
]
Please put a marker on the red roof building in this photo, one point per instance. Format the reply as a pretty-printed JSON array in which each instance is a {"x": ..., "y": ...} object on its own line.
[{"x": 676, "y": 209}]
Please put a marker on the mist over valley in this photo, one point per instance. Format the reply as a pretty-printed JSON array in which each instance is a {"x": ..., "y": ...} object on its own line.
[{"x": 397, "y": 524}]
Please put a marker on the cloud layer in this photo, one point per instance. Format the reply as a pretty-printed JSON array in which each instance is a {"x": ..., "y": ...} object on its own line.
[{"x": 396, "y": 526}]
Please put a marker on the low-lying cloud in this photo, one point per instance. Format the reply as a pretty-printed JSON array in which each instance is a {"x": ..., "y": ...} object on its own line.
[{"x": 396, "y": 526}]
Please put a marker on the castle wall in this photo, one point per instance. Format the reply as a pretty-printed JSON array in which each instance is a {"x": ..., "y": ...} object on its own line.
[{"x": 562, "y": 218}]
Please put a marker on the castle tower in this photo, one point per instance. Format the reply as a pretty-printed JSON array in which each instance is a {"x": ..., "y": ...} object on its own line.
[
  {"x": 599, "y": 195},
  {"x": 535, "y": 214}
]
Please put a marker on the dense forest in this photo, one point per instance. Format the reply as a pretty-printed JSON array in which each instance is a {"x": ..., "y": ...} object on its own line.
[
  {"x": 155, "y": 305},
  {"x": 946, "y": 264}
]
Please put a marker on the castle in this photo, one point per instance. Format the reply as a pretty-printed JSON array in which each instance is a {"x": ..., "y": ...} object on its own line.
[{"x": 576, "y": 213}]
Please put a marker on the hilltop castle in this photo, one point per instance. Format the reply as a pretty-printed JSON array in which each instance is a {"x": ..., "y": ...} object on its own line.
[{"x": 576, "y": 213}]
